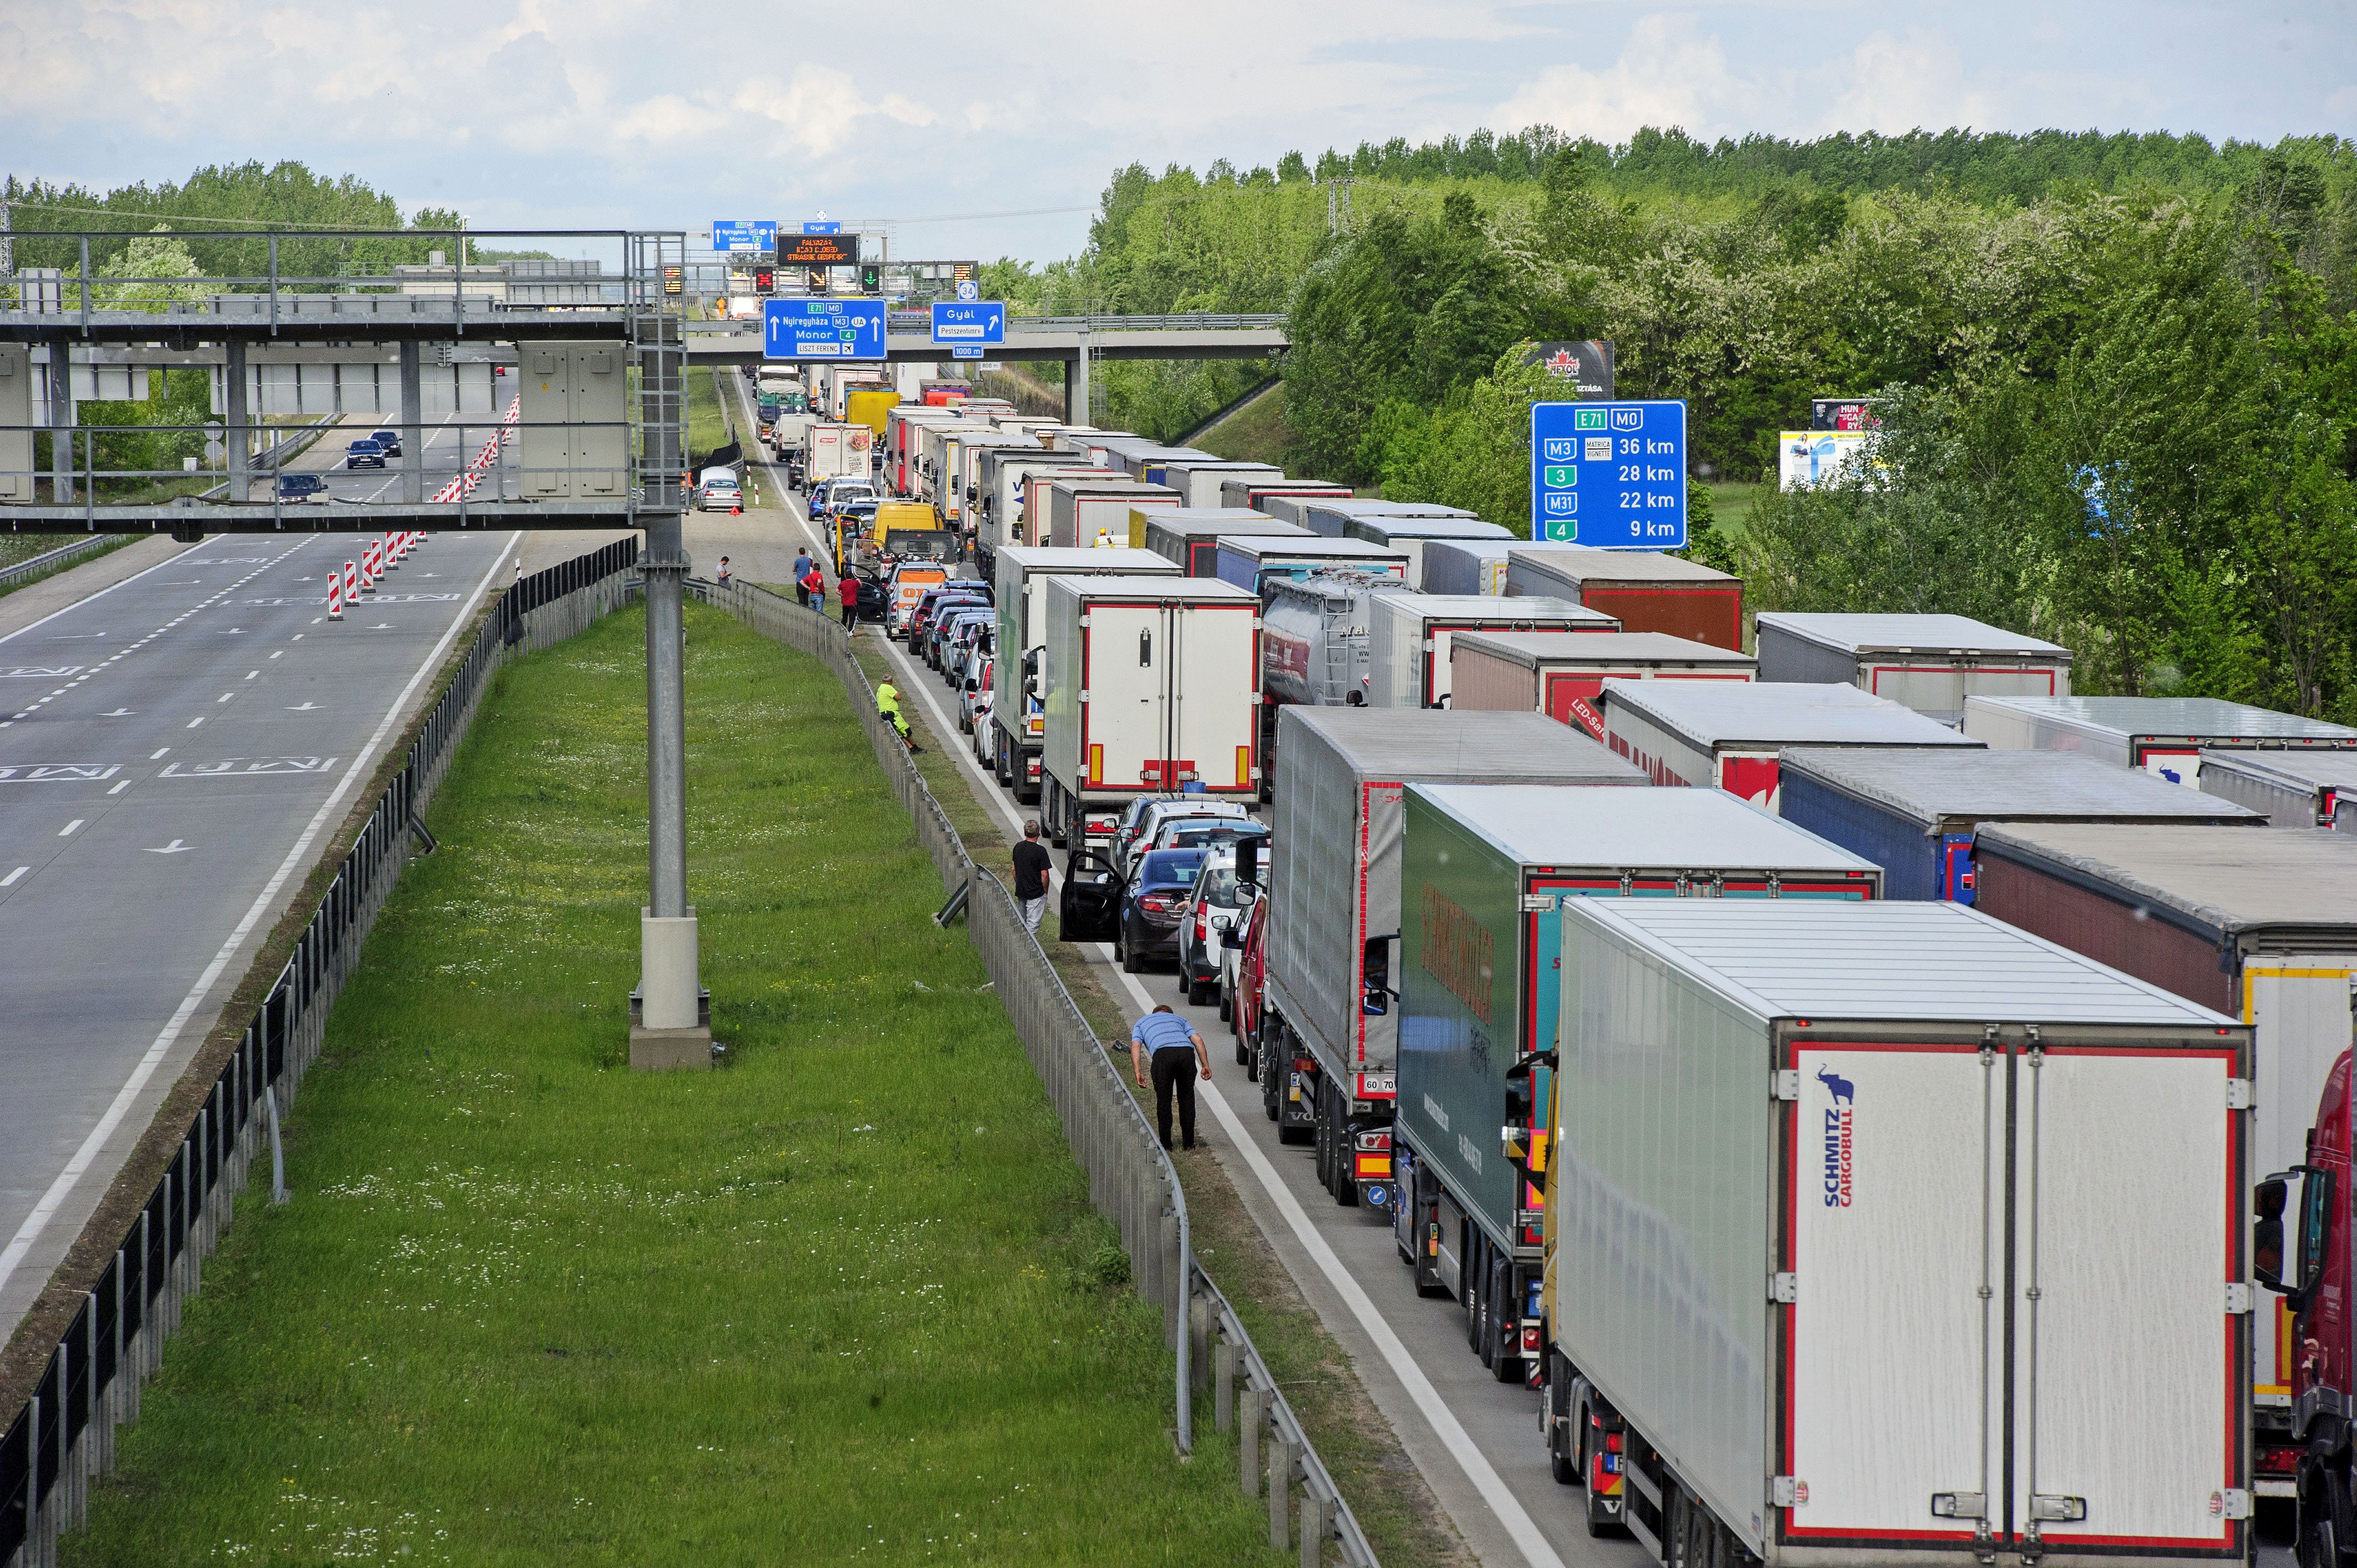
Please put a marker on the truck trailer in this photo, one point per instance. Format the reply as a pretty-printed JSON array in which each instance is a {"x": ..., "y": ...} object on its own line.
[
  {"x": 1914, "y": 812},
  {"x": 1889, "y": 1233},
  {"x": 1249, "y": 562},
  {"x": 1019, "y": 715},
  {"x": 2166, "y": 735},
  {"x": 1327, "y": 1050},
  {"x": 1928, "y": 662},
  {"x": 1487, "y": 874},
  {"x": 1235, "y": 491},
  {"x": 1334, "y": 518},
  {"x": 1199, "y": 479},
  {"x": 1562, "y": 675},
  {"x": 2294, "y": 789},
  {"x": 1151, "y": 686},
  {"x": 1415, "y": 534},
  {"x": 2259, "y": 925},
  {"x": 1722, "y": 733},
  {"x": 1081, "y": 510},
  {"x": 1649, "y": 591},
  {"x": 1190, "y": 535},
  {"x": 1409, "y": 637}
]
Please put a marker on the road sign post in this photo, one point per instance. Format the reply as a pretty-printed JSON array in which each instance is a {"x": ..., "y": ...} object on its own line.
[
  {"x": 823, "y": 328},
  {"x": 1610, "y": 475},
  {"x": 972, "y": 324}
]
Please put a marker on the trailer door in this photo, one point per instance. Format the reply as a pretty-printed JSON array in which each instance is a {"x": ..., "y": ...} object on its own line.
[
  {"x": 1891, "y": 1350},
  {"x": 1215, "y": 698},
  {"x": 2127, "y": 1376},
  {"x": 1125, "y": 681}
]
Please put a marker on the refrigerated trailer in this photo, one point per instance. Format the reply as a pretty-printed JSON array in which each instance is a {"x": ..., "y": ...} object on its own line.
[
  {"x": 2166, "y": 735},
  {"x": 1245, "y": 491},
  {"x": 1486, "y": 873},
  {"x": 1080, "y": 511},
  {"x": 1722, "y": 733},
  {"x": 1649, "y": 591},
  {"x": 1018, "y": 714},
  {"x": 1889, "y": 1233},
  {"x": 1928, "y": 662},
  {"x": 1326, "y": 1053},
  {"x": 1250, "y": 560},
  {"x": 2294, "y": 789},
  {"x": 2259, "y": 925},
  {"x": 1562, "y": 675},
  {"x": 1190, "y": 535},
  {"x": 1152, "y": 687},
  {"x": 1409, "y": 637},
  {"x": 1914, "y": 812}
]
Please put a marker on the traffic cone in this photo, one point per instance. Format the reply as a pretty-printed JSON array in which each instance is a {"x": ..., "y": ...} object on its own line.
[{"x": 335, "y": 595}]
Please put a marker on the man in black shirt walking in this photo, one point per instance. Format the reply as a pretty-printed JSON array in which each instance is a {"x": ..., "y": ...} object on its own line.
[{"x": 1033, "y": 868}]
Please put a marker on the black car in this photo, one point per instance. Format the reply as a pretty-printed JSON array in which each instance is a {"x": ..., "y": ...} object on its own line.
[
  {"x": 388, "y": 439},
  {"x": 1152, "y": 905},
  {"x": 301, "y": 486},
  {"x": 873, "y": 596}
]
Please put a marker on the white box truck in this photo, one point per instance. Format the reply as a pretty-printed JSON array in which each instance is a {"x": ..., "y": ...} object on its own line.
[
  {"x": 1408, "y": 638},
  {"x": 1018, "y": 717},
  {"x": 1888, "y": 1233},
  {"x": 836, "y": 452},
  {"x": 1151, "y": 686}
]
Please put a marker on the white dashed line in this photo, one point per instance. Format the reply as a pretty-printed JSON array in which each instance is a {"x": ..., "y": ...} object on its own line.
[
  {"x": 68, "y": 830},
  {"x": 159, "y": 751},
  {"x": 119, "y": 788},
  {"x": 10, "y": 880},
  {"x": 194, "y": 723}
]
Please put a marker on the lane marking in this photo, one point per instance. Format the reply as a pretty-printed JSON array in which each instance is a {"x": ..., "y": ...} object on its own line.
[
  {"x": 1491, "y": 1486},
  {"x": 53, "y": 1200},
  {"x": 175, "y": 847},
  {"x": 158, "y": 752},
  {"x": 225, "y": 696},
  {"x": 69, "y": 827},
  {"x": 10, "y": 880},
  {"x": 194, "y": 723},
  {"x": 119, "y": 788}
]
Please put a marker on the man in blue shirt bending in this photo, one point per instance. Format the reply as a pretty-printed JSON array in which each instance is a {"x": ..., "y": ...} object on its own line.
[{"x": 1177, "y": 1051}]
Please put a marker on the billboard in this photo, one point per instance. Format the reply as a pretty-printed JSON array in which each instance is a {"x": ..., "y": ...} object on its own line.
[
  {"x": 1805, "y": 457},
  {"x": 1584, "y": 367},
  {"x": 1842, "y": 412},
  {"x": 818, "y": 250}
]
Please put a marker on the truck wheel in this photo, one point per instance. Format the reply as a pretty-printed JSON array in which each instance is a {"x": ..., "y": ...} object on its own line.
[
  {"x": 1268, "y": 1100},
  {"x": 1562, "y": 1461},
  {"x": 1321, "y": 1134}
]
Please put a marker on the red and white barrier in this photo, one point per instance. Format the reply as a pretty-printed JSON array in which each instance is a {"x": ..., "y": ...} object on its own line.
[
  {"x": 351, "y": 582},
  {"x": 335, "y": 595},
  {"x": 463, "y": 485}
]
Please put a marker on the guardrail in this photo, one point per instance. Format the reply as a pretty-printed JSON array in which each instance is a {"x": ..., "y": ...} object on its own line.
[
  {"x": 52, "y": 560},
  {"x": 64, "y": 1434},
  {"x": 922, "y": 321},
  {"x": 1131, "y": 1178}
]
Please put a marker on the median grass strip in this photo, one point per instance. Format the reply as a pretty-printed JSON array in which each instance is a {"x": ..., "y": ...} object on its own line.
[{"x": 844, "y": 1298}]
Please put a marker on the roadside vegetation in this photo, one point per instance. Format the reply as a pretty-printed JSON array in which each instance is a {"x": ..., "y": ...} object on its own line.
[{"x": 842, "y": 1298}]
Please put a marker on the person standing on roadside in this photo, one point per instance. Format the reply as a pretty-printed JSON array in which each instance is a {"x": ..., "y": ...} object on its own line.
[
  {"x": 846, "y": 589},
  {"x": 801, "y": 577},
  {"x": 814, "y": 588},
  {"x": 724, "y": 579},
  {"x": 1033, "y": 867},
  {"x": 1177, "y": 1052}
]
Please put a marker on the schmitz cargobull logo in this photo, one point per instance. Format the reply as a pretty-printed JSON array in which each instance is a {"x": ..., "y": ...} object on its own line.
[{"x": 1840, "y": 1115}]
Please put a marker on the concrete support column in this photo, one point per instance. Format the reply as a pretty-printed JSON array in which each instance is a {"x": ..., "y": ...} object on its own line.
[
  {"x": 665, "y": 568},
  {"x": 1076, "y": 385},
  {"x": 413, "y": 427},
  {"x": 235, "y": 439},
  {"x": 61, "y": 424}
]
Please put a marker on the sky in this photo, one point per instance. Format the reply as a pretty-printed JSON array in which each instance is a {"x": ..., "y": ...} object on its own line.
[{"x": 983, "y": 130}]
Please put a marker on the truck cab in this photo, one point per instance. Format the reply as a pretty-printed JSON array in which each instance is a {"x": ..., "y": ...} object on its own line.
[{"x": 2300, "y": 1251}]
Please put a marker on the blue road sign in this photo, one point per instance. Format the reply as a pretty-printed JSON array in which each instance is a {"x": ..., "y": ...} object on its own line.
[
  {"x": 1611, "y": 475},
  {"x": 821, "y": 226},
  {"x": 744, "y": 234},
  {"x": 980, "y": 321},
  {"x": 963, "y": 352},
  {"x": 823, "y": 328}
]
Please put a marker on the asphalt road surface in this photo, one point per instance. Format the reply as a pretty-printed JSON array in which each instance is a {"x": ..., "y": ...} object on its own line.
[{"x": 176, "y": 751}]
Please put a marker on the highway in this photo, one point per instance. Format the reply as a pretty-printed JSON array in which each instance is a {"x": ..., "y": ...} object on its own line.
[
  {"x": 175, "y": 752},
  {"x": 1475, "y": 1441}
]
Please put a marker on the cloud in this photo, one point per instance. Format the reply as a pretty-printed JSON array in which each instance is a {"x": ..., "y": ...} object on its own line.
[{"x": 1670, "y": 73}]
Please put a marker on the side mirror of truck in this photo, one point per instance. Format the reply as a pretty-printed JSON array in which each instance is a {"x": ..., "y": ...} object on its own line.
[
  {"x": 2267, "y": 1261},
  {"x": 1375, "y": 988},
  {"x": 2267, "y": 1201}
]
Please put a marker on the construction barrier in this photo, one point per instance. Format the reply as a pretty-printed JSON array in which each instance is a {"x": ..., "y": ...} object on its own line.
[{"x": 335, "y": 595}]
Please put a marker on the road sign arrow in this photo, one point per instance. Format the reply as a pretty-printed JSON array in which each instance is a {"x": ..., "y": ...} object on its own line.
[{"x": 175, "y": 847}]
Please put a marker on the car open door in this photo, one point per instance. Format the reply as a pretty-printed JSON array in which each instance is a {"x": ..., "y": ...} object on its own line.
[{"x": 1090, "y": 905}]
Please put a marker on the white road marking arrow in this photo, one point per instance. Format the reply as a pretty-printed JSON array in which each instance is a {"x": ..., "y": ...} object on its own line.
[
  {"x": 175, "y": 847},
  {"x": 306, "y": 708},
  {"x": 117, "y": 713}
]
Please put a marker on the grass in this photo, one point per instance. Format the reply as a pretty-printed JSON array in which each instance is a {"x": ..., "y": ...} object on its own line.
[
  {"x": 708, "y": 426},
  {"x": 20, "y": 547},
  {"x": 1731, "y": 506},
  {"x": 842, "y": 1298},
  {"x": 1256, "y": 433}
]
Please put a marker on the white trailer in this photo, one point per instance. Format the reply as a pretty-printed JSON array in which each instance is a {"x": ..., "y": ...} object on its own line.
[
  {"x": 1019, "y": 573},
  {"x": 1080, "y": 511},
  {"x": 2167, "y": 735},
  {"x": 1408, "y": 638},
  {"x": 1151, "y": 686},
  {"x": 1730, "y": 733},
  {"x": 835, "y": 452},
  {"x": 1929, "y": 662},
  {"x": 1887, "y": 1232}
]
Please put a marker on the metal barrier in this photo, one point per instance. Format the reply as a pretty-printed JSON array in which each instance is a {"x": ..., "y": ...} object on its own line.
[
  {"x": 1131, "y": 1179},
  {"x": 65, "y": 1433},
  {"x": 57, "y": 560}
]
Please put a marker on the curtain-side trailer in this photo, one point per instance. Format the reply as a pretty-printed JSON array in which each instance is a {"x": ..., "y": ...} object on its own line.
[
  {"x": 2259, "y": 925},
  {"x": 1487, "y": 873},
  {"x": 1151, "y": 686},
  {"x": 1649, "y": 591},
  {"x": 1929, "y": 662},
  {"x": 1889, "y": 1233},
  {"x": 1326, "y": 1053}
]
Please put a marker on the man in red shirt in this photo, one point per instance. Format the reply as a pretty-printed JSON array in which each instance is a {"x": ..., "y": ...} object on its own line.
[{"x": 847, "y": 590}]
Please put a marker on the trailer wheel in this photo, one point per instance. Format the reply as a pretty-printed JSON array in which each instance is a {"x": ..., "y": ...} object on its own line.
[
  {"x": 1563, "y": 1458},
  {"x": 1504, "y": 1334},
  {"x": 2323, "y": 1521},
  {"x": 1267, "y": 1052}
]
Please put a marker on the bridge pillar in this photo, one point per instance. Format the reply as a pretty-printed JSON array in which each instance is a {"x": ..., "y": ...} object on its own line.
[
  {"x": 61, "y": 423},
  {"x": 413, "y": 426},
  {"x": 1076, "y": 385},
  {"x": 235, "y": 440}
]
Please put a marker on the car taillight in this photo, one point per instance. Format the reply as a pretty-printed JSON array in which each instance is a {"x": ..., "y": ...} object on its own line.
[
  {"x": 1202, "y": 925},
  {"x": 1153, "y": 904}
]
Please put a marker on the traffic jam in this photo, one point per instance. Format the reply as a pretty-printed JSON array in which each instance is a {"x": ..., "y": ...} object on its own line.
[{"x": 1876, "y": 1100}]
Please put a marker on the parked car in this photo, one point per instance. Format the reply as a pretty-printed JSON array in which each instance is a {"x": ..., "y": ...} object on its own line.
[
  {"x": 974, "y": 640},
  {"x": 1169, "y": 809},
  {"x": 1147, "y": 929},
  {"x": 368, "y": 454},
  {"x": 388, "y": 439},
  {"x": 1214, "y": 907},
  {"x": 719, "y": 491},
  {"x": 302, "y": 486},
  {"x": 948, "y": 625},
  {"x": 973, "y": 697},
  {"x": 933, "y": 602}
]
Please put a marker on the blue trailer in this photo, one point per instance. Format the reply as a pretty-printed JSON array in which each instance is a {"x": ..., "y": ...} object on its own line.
[{"x": 1913, "y": 813}]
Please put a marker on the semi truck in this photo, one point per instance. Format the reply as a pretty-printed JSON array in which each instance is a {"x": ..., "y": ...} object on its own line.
[
  {"x": 1018, "y": 588},
  {"x": 1409, "y": 637},
  {"x": 1649, "y": 591},
  {"x": 1325, "y": 1050},
  {"x": 1080, "y": 511},
  {"x": 1487, "y": 875},
  {"x": 1886, "y": 1232},
  {"x": 2160, "y": 735},
  {"x": 1414, "y": 534},
  {"x": 1190, "y": 535},
  {"x": 1929, "y": 662},
  {"x": 1249, "y": 562},
  {"x": 1151, "y": 686},
  {"x": 1245, "y": 491},
  {"x": 1201, "y": 479},
  {"x": 2294, "y": 789},
  {"x": 835, "y": 452},
  {"x": 2259, "y": 925},
  {"x": 1562, "y": 675},
  {"x": 1005, "y": 478},
  {"x": 1334, "y": 518},
  {"x": 1914, "y": 812},
  {"x": 1730, "y": 734}
]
